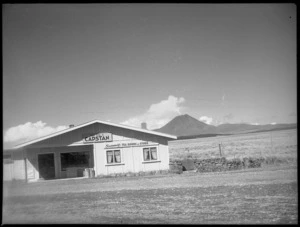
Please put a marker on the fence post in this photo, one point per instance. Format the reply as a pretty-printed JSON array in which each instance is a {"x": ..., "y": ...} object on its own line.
[
  {"x": 271, "y": 143},
  {"x": 220, "y": 150}
]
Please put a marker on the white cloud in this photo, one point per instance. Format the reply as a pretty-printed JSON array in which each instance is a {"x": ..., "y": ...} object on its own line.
[
  {"x": 206, "y": 120},
  {"x": 228, "y": 117},
  {"x": 254, "y": 124},
  {"x": 210, "y": 120},
  {"x": 273, "y": 123},
  {"x": 158, "y": 114},
  {"x": 29, "y": 131}
]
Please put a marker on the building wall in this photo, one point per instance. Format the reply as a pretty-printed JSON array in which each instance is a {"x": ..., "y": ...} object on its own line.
[
  {"x": 18, "y": 170},
  {"x": 131, "y": 156},
  {"x": 7, "y": 171},
  {"x": 132, "y": 159}
]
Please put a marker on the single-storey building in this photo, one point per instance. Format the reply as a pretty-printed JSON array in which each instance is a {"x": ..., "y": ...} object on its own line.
[{"x": 104, "y": 147}]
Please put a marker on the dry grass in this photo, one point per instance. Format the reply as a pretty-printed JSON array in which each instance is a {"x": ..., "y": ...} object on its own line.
[
  {"x": 244, "y": 197},
  {"x": 279, "y": 144}
]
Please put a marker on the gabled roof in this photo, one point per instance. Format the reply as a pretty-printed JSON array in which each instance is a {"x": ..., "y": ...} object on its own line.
[{"x": 92, "y": 122}]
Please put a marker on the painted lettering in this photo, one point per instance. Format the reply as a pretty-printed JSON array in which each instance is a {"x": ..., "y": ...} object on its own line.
[{"x": 101, "y": 137}]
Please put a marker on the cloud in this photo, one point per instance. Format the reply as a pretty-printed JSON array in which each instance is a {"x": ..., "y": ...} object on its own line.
[
  {"x": 210, "y": 120},
  {"x": 273, "y": 123},
  {"x": 217, "y": 122},
  {"x": 29, "y": 131},
  {"x": 254, "y": 124},
  {"x": 206, "y": 120},
  {"x": 158, "y": 114},
  {"x": 228, "y": 117}
]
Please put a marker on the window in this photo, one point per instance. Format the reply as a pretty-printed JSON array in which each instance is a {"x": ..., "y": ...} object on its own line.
[
  {"x": 150, "y": 153},
  {"x": 74, "y": 159},
  {"x": 113, "y": 156}
]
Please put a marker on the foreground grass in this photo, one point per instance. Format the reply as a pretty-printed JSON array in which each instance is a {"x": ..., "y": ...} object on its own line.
[
  {"x": 273, "y": 203},
  {"x": 242, "y": 197}
]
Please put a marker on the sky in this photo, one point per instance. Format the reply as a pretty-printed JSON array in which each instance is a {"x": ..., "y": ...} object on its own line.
[{"x": 130, "y": 63}]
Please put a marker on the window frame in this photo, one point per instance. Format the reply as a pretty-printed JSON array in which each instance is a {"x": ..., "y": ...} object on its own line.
[
  {"x": 114, "y": 157},
  {"x": 150, "y": 154}
]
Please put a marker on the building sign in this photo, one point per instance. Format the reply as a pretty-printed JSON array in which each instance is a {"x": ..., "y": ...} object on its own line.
[
  {"x": 134, "y": 144},
  {"x": 100, "y": 137}
]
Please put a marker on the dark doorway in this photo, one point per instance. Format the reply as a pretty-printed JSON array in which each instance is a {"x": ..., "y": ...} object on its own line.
[{"x": 46, "y": 166}]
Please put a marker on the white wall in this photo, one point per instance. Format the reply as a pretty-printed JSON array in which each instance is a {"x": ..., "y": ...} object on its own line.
[
  {"x": 131, "y": 160},
  {"x": 19, "y": 165},
  {"x": 7, "y": 171},
  {"x": 131, "y": 156}
]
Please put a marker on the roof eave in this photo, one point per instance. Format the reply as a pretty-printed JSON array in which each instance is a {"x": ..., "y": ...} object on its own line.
[{"x": 89, "y": 123}]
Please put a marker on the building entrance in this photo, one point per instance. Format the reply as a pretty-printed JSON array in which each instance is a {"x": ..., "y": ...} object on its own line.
[{"x": 46, "y": 166}]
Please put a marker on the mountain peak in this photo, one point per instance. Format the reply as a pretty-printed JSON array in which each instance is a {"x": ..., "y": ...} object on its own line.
[
  {"x": 185, "y": 124},
  {"x": 185, "y": 117}
]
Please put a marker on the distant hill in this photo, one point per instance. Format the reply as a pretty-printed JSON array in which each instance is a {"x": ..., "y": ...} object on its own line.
[
  {"x": 246, "y": 128},
  {"x": 185, "y": 126}
]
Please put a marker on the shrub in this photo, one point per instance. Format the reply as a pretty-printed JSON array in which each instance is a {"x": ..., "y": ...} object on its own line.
[{"x": 142, "y": 173}]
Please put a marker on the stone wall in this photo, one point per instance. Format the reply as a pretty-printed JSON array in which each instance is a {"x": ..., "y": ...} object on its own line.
[
  {"x": 217, "y": 164},
  {"x": 176, "y": 167}
]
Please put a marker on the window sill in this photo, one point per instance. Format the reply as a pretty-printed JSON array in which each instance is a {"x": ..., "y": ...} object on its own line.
[
  {"x": 144, "y": 162},
  {"x": 115, "y": 164}
]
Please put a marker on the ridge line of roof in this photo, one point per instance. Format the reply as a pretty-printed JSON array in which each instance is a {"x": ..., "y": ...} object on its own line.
[{"x": 91, "y": 122}]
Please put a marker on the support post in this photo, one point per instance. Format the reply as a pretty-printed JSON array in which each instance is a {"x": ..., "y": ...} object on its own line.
[{"x": 25, "y": 165}]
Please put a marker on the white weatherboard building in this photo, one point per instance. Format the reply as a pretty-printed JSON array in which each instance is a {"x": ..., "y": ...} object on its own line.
[{"x": 105, "y": 147}]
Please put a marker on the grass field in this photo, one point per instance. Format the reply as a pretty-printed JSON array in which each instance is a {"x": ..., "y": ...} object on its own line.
[
  {"x": 280, "y": 144},
  {"x": 266, "y": 196}
]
